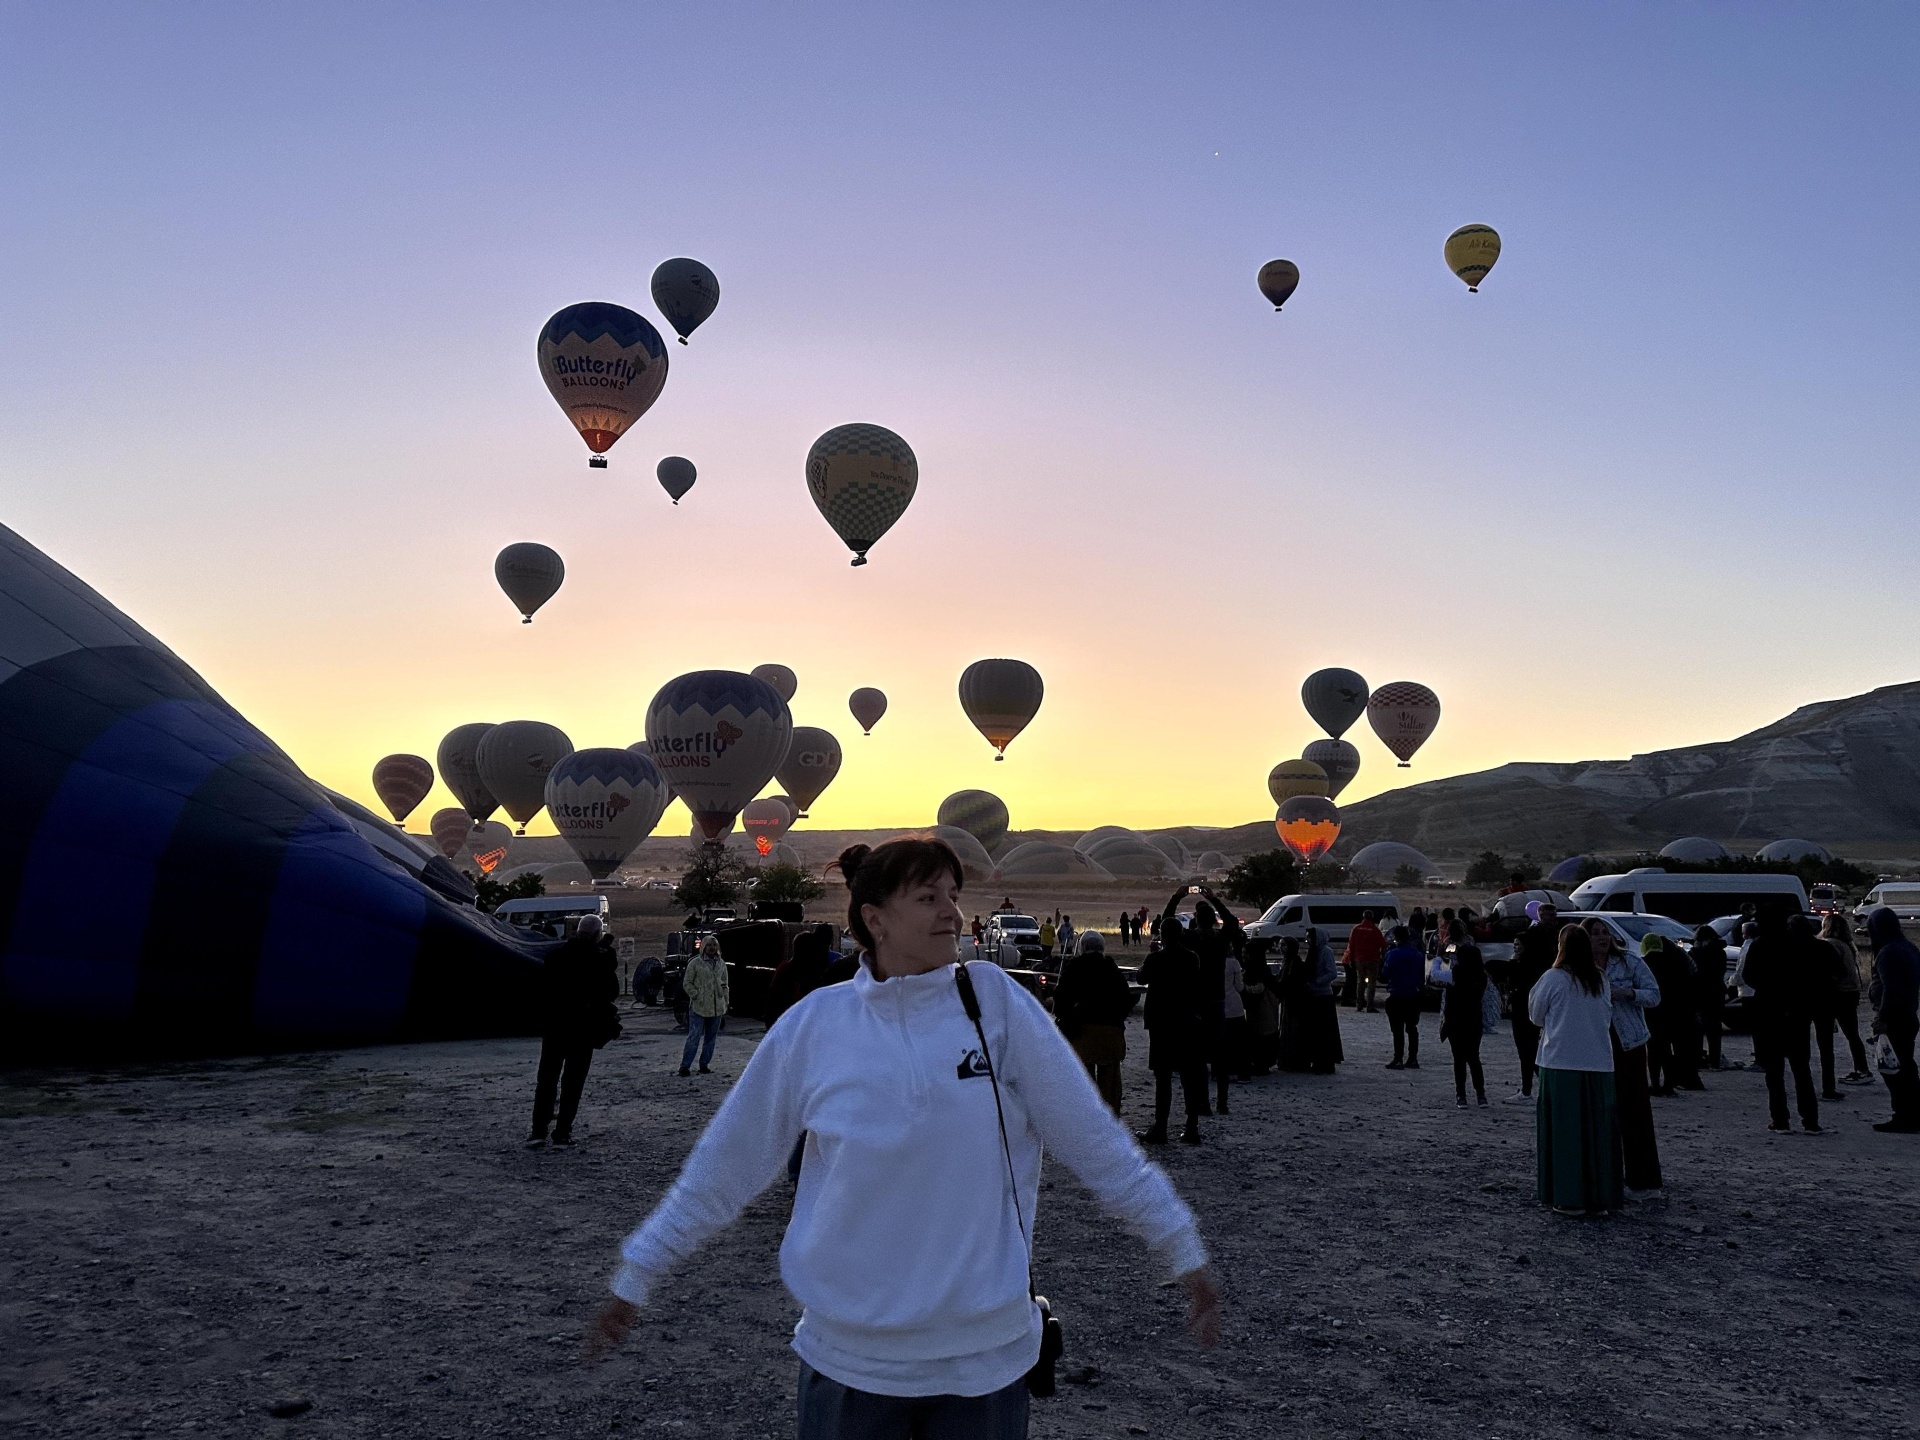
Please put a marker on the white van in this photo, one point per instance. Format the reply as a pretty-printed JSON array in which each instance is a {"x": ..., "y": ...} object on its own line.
[
  {"x": 554, "y": 910},
  {"x": 1690, "y": 899},
  {"x": 1903, "y": 900},
  {"x": 1334, "y": 916}
]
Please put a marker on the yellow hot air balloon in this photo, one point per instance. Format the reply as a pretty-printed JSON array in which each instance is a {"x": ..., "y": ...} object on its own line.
[
  {"x": 1295, "y": 777},
  {"x": 1471, "y": 251}
]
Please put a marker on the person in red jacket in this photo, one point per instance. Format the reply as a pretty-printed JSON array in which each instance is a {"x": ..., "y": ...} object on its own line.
[{"x": 1365, "y": 946}]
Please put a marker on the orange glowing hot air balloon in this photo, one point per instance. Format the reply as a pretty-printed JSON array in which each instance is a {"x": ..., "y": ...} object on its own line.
[{"x": 1308, "y": 825}]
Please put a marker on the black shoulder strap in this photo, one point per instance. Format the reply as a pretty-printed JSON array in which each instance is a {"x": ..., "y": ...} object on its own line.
[{"x": 970, "y": 1002}]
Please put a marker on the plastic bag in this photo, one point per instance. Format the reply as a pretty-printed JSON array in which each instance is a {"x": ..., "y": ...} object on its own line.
[{"x": 1885, "y": 1058}]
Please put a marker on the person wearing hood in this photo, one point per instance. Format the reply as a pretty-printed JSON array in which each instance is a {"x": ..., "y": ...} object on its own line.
[
  {"x": 1174, "y": 1022},
  {"x": 580, "y": 982},
  {"x": 1461, "y": 1015},
  {"x": 1709, "y": 958},
  {"x": 1324, "y": 1047},
  {"x": 1673, "y": 1044},
  {"x": 1895, "y": 995},
  {"x": 1534, "y": 953},
  {"x": 1090, "y": 1006},
  {"x": 1787, "y": 975},
  {"x": 1844, "y": 1012},
  {"x": 708, "y": 1000},
  {"x": 1632, "y": 990}
]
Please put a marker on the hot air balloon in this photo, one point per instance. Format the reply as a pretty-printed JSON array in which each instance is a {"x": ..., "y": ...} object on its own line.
[
  {"x": 862, "y": 477},
  {"x": 717, "y": 736},
  {"x": 810, "y": 765},
  {"x": 867, "y": 705},
  {"x": 765, "y": 821},
  {"x": 980, "y": 813},
  {"x": 604, "y": 802},
  {"x": 530, "y": 574},
  {"x": 1339, "y": 759},
  {"x": 606, "y": 367},
  {"x": 783, "y": 680},
  {"x": 402, "y": 782},
  {"x": 1278, "y": 279},
  {"x": 513, "y": 759},
  {"x": 1471, "y": 251},
  {"x": 461, "y": 776},
  {"x": 1308, "y": 826},
  {"x": 1334, "y": 699},
  {"x": 450, "y": 828},
  {"x": 685, "y": 292},
  {"x": 1403, "y": 715},
  {"x": 486, "y": 847},
  {"x": 1000, "y": 698},
  {"x": 676, "y": 476},
  {"x": 1295, "y": 777}
]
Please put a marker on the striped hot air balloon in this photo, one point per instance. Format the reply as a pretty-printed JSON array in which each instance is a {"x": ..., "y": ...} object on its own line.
[
  {"x": 1295, "y": 777},
  {"x": 1001, "y": 697},
  {"x": 402, "y": 782},
  {"x": 980, "y": 813}
]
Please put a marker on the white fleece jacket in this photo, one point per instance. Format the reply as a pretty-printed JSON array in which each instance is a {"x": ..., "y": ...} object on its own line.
[{"x": 903, "y": 1248}]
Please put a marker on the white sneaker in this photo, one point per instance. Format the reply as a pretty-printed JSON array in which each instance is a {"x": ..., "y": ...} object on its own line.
[{"x": 1519, "y": 1097}]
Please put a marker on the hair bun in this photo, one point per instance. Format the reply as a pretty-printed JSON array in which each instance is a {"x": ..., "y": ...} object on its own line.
[{"x": 851, "y": 859}]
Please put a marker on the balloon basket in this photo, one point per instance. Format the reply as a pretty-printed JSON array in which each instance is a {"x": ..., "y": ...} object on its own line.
[
  {"x": 859, "y": 560},
  {"x": 1404, "y": 765},
  {"x": 526, "y": 619},
  {"x": 683, "y": 339},
  {"x": 596, "y": 462}
]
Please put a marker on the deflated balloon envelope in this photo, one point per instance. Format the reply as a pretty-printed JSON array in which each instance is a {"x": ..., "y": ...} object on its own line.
[{"x": 686, "y": 292}]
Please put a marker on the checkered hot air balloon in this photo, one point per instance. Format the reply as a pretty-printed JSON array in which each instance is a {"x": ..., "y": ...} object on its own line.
[
  {"x": 862, "y": 478},
  {"x": 1403, "y": 715},
  {"x": 606, "y": 366},
  {"x": 980, "y": 813}
]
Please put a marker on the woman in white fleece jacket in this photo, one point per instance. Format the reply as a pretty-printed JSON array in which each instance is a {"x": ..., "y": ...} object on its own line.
[{"x": 905, "y": 1250}]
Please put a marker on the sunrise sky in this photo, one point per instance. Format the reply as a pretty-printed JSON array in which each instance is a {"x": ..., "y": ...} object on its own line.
[{"x": 273, "y": 277}]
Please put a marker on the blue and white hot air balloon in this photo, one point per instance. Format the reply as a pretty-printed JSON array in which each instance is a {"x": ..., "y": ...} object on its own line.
[
  {"x": 717, "y": 738},
  {"x": 605, "y": 802},
  {"x": 606, "y": 366}
]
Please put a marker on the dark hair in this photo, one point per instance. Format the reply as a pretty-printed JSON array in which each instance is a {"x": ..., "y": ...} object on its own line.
[
  {"x": 876, "y": 873},
  {"x": 1835, "y": 927},
  {"x": 1456, "y": 931},
  {"x": 1366, "y": 915},
  {"x": 1400, "y": 935},
  {"x": 1576, "y": 958}
]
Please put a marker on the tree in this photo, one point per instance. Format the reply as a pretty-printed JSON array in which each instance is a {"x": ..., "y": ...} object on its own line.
[
  {"x": 489, "y": 892},
  {"x": 1262, "y": 879},
  {"x": 712, "y": 878},
  {"x": 1488, "y": 869},
  {"x": 786, "y": 882},
  {"x": 1408, "y": 877}
]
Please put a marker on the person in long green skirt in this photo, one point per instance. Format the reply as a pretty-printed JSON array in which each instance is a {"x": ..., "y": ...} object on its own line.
[{"x": 1577, "y": 1137}]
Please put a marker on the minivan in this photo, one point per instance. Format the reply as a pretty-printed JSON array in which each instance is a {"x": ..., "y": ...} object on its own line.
[
  {"x": 1903, "y": 900},
  {"x": 555, "y": 910},
  {"x": 1691, "y": 899}
]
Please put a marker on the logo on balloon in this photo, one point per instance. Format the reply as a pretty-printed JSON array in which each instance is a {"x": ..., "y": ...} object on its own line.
[{"x": 489, "y": 860}]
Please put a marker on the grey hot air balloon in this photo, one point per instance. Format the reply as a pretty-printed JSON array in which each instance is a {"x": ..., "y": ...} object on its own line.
[
  {"x": 513, "y": 759},
  {"x": 862, "y": 478},
  {"x": 676, "y": 474},
  {"x": 867, "y": 705},
  {"x": 461, "y": 775},
  {"x": 1335, "y": 698},
  {"x": 980, "y": 813},
  {"x": 450, "y": 828},
  {"x": 401, "y": 782},
  {"x": 1001, "y": 697},
  {"x": 529, "y": 573},
  {"x": 782, "y": 679},
  {"x": 813, "y": 759},
  {"x": 686, "y": 292},
  {"x": 1277, "y": 280},
  {"x": 1339, "y": 759}
]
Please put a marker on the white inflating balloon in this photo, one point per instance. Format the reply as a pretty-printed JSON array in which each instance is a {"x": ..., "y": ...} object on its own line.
[
  {"x": 604, "y": 802},
  {"x": 718, "y": 736}
]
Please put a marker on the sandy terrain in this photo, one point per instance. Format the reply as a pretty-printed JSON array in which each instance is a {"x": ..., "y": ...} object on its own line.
[{"x": 360, "y": 1231}]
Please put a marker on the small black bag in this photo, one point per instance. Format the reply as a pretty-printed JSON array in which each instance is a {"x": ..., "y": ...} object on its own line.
[{"x": 1053, "y": 1339}]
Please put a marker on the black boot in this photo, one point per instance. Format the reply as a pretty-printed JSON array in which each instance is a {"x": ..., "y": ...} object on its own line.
[{"x": 1191, "y": 1135}]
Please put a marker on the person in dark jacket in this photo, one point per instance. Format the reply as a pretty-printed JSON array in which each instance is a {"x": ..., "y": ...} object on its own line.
[
  {"x": 1090, "y": 1006},
  {"x": 1533, "y": 956},
  {"x": 1404, "y": 968},
  {"x": 1673, "y": 1049},
  {"x": 1788, "y": 979},
  {"x": 1709, "y": 958},
  {"x": 1294, "y": 1050},
  {"x": 580, "y": 984},
  {"x": 1171, "y": 973},
  {"x": 1843, "y": 1014},
  {"x": 1214, "y": 936},
  {"x": 1461, "y": 1017},
  {"x": 801, "y": 973},
  {"x": 1895, "y": 994}
]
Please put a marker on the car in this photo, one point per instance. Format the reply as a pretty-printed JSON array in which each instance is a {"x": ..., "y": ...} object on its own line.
[
  {"x": 1825, "y": 900},
  {"x": 1631, "y": 929},
  {"x": 1008, "y": 929},
  {"x": 1901, "y": 898}
]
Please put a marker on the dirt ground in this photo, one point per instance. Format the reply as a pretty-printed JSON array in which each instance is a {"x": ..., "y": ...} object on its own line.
[{"x": 360, "y": 1233}]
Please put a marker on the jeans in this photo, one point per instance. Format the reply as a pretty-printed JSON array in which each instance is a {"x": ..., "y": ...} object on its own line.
[
  {"x": 832, "y": 1411},
  {"x": 1193, "y": 1086},
  {"x": 1846, "y": 1014},
  {"x": 1779, "y": 1046},
  {"x": 563, "y": 1062},
  {"x": 702, "y": 1032},
  {"x": 1403, "y": 1015},
  {"x": 1526, "y": 1040}
]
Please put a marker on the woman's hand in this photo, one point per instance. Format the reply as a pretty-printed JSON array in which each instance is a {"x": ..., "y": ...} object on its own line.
[
  {"x": 613, "y": 1324},
  {"x": 1203, "y": 1313}
]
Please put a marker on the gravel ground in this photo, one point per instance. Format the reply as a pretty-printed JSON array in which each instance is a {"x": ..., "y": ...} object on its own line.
[{"x": 360, "y": 1234}]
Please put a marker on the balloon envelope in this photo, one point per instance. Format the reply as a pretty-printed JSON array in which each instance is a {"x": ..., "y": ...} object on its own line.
[
  {"x": 686, "y": 292},
  {"x": 1334, "y": 699},
  {"x": 1308, "y": 825},
  {"x": 1471, "y": 251},
  {"x": 867, "y": 705},
  {"x": 980, "y": 813},
  {"x": 1001, "y": 697},
  {"x": 717, "y": 736},
  {"x": 862, "y": 478},
  {"x": 767, "y": 819},
  {"x": 462, "y": 776},
  {"x": 605, "y": 365},
  {"x": 486, "y": 847},
  {"x": 1403, "y": 715},
  {"x": 604, "y": 802},
  {"x": 402, "y": 782},
  {"x": 1295, "y": 777},
  {"x": 1339, "y": 759},
  {"x": 676, "y": 476},
  {"x": 530, "y": 573},
  {"x": 1278, "y": 279},
  {"x": 513, "y": 759},
  {"x": 810, "y": 765},
  {"x": 783, "y": 680},
  {"x": 450, "y": 828}
]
